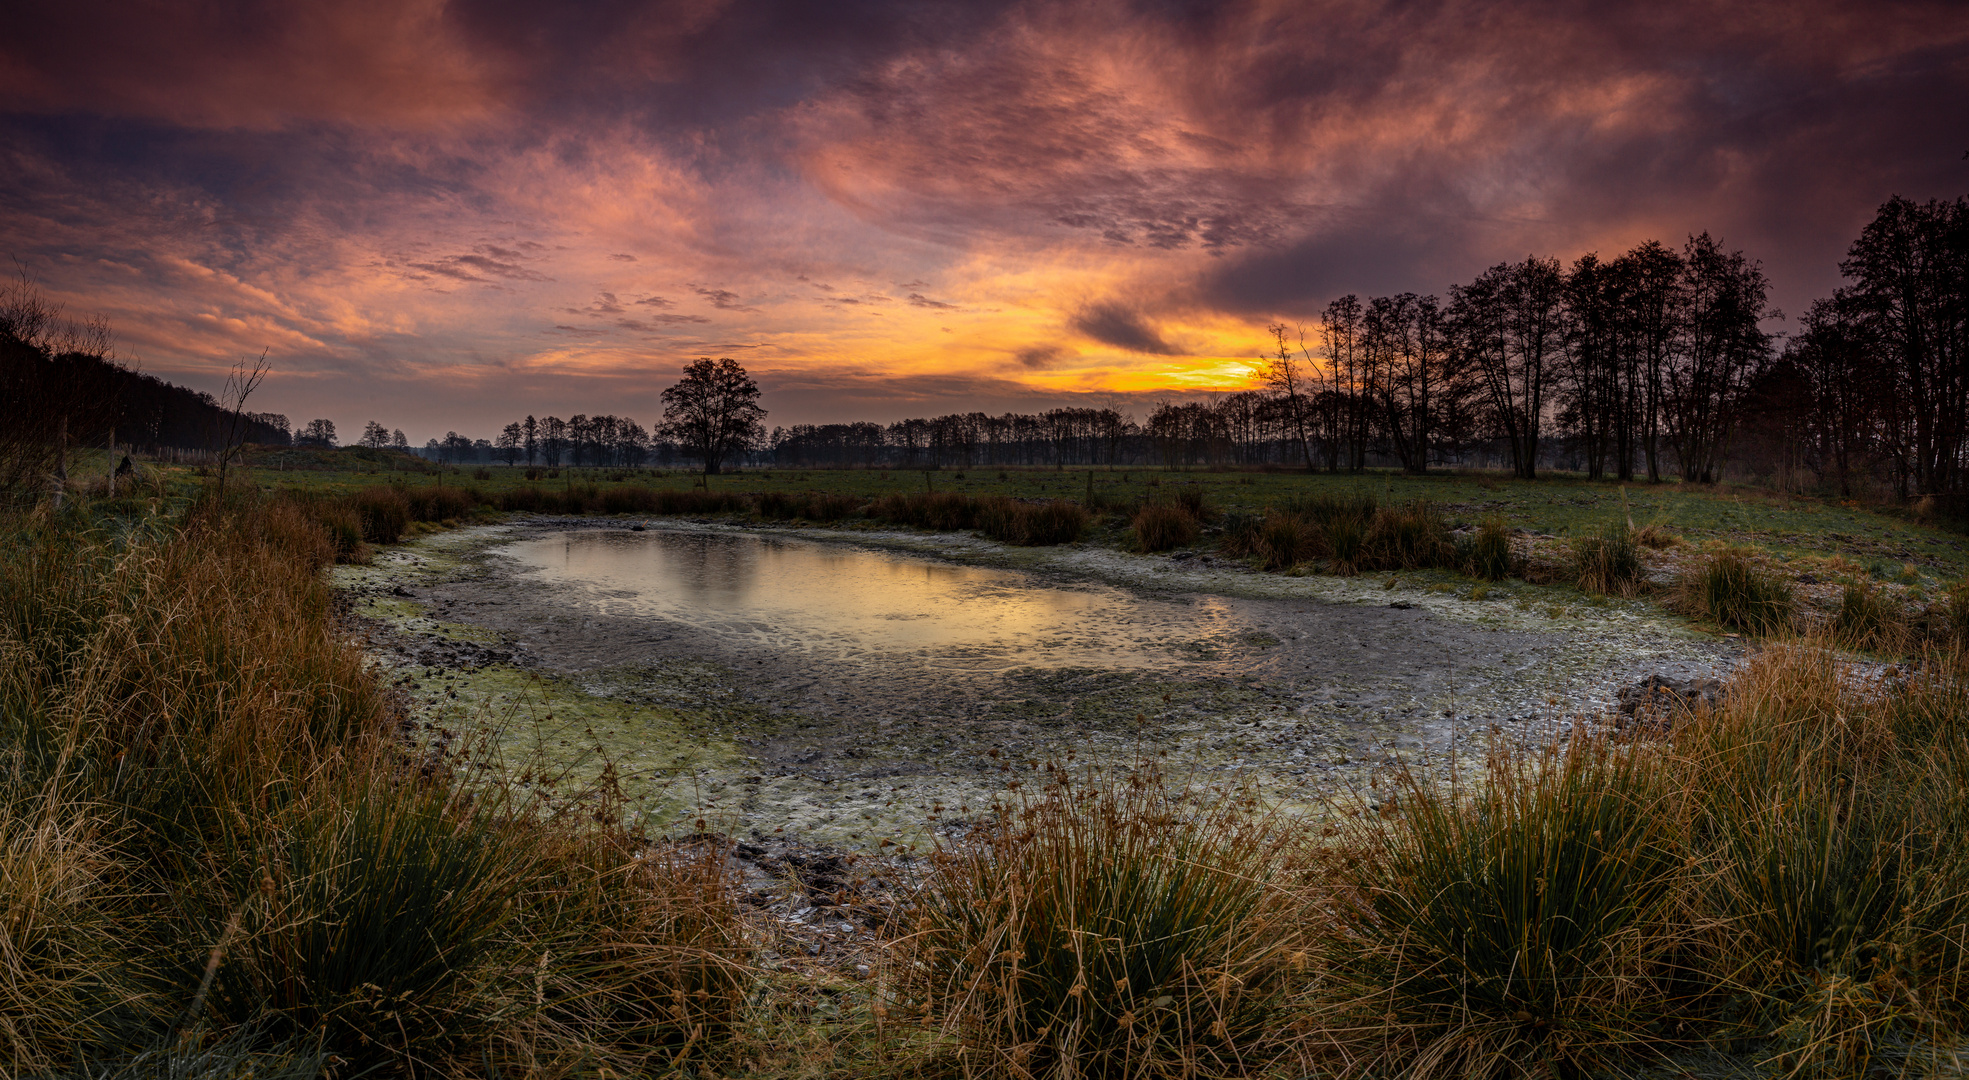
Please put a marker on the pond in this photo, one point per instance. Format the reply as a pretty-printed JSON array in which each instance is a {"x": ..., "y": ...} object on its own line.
[
  {"x": 844, "y": 687},
  {"x": 829, "y": 601}
]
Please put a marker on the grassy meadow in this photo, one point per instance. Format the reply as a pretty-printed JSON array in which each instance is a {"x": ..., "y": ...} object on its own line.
[{"x": 224, "y": 852}]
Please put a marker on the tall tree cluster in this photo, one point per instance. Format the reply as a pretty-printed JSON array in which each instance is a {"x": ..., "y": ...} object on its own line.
[
  {"x": 1627, "y": 360},
  {"x": 602, "y": 440},
  {"x": 1882, "y": 365}
]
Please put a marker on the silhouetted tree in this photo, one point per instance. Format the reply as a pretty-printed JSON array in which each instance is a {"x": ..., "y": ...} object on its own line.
[
  {"x": 713, "y": 411},
  {"x": 317, "y": 433},
  {"x": 1507, "y": 326},
  {"x": 1909, "y": 301}
]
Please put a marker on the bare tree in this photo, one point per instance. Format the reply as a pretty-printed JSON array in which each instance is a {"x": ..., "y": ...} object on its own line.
[
  {"x": 1281, "y": 373},
  {"x": 245, "y": 378},
  {"x": 1508, "y": 324}
]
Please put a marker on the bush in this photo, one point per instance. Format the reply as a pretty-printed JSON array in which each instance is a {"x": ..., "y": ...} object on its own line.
[
  {"x": 1609, "y": 562},
  {"x": 1161, "y": 526},
  {"x": 1489, "y": 556},
  {"x": 1111, "y": 929},
  {"x": 1730, "y": 589}
]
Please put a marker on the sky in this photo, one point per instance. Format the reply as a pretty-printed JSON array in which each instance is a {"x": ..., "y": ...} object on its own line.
[{"x": 444, "y": 216}]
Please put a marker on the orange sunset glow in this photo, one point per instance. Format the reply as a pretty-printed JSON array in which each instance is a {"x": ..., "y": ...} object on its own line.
[{"x": 446, "y": 215}]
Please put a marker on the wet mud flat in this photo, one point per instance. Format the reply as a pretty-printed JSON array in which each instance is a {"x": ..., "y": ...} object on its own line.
[{"x": 860, "y": 690}]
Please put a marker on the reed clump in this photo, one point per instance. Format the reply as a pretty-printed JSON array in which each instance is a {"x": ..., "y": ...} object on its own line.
[
  {"x": 1514, "y": 924},
  {"x": 1608, "y": 562},
  {"x": 1350, "y": 533},
  {"x": 1286, "y": 540},
  {"x": 1409, "y": 536},
  {"x": 1164, "y": 524},
  {"x": 938, "y": 511},
  {"x": 812, "y": 506},
  {"x": 1776, "y": 884},
  {"x": 1868, "y": 619},
  {"x": 1489, "y": 555},
  {"x": 1031, "y": 524},
  {"x": 1112, "y": 928},
  {"x": 1729, "y": 588}
]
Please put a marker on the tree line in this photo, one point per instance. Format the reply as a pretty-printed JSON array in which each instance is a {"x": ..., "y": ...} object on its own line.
[{"x": 1652, "y": 364}]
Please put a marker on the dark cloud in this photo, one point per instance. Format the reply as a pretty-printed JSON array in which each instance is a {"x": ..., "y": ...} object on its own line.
[
  {"x": 722, "y": 299},
  {"x": 623, "y": 258},
  {"x": 1113, "y": 324},
  {"x": 1039, "y": 356},
  {"x": 919, "y": 300},
  {"x": 486, "y": 262},
  {"x": 652, "y": 323}
]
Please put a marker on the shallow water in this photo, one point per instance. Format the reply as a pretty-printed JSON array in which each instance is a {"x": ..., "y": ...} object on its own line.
[{"x": 836, "y": 602}]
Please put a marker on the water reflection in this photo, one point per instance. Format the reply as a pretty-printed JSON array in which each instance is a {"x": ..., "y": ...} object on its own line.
[{"x": 786, "y": 594}]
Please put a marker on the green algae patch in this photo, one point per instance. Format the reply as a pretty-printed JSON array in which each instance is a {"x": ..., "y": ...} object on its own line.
[{"x": 549, "y": 733}]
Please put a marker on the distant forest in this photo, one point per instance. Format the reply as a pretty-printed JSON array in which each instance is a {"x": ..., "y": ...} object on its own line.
[{"x": 1650, "y": 365}]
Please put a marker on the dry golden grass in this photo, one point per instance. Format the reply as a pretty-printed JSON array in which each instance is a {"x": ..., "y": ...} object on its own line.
[{"x": 210, "y": 823}]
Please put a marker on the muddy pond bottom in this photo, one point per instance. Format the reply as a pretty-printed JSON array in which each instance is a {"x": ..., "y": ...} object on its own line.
[{"x": 831, "y": 601}]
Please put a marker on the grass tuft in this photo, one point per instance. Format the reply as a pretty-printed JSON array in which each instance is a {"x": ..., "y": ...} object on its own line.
[
  {"x": 1489, "y": 555},
  {"x": 1162, "y": 525},
  {"x": 1868, "y": 619},
  {"x": 1730, "y": 589},
  {"x": 1112, "y": 928},
  {"x": 1517, "y": 922},
  {"x": 1608, "y": 562},
  {"x": 1285, "y": 540}
]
